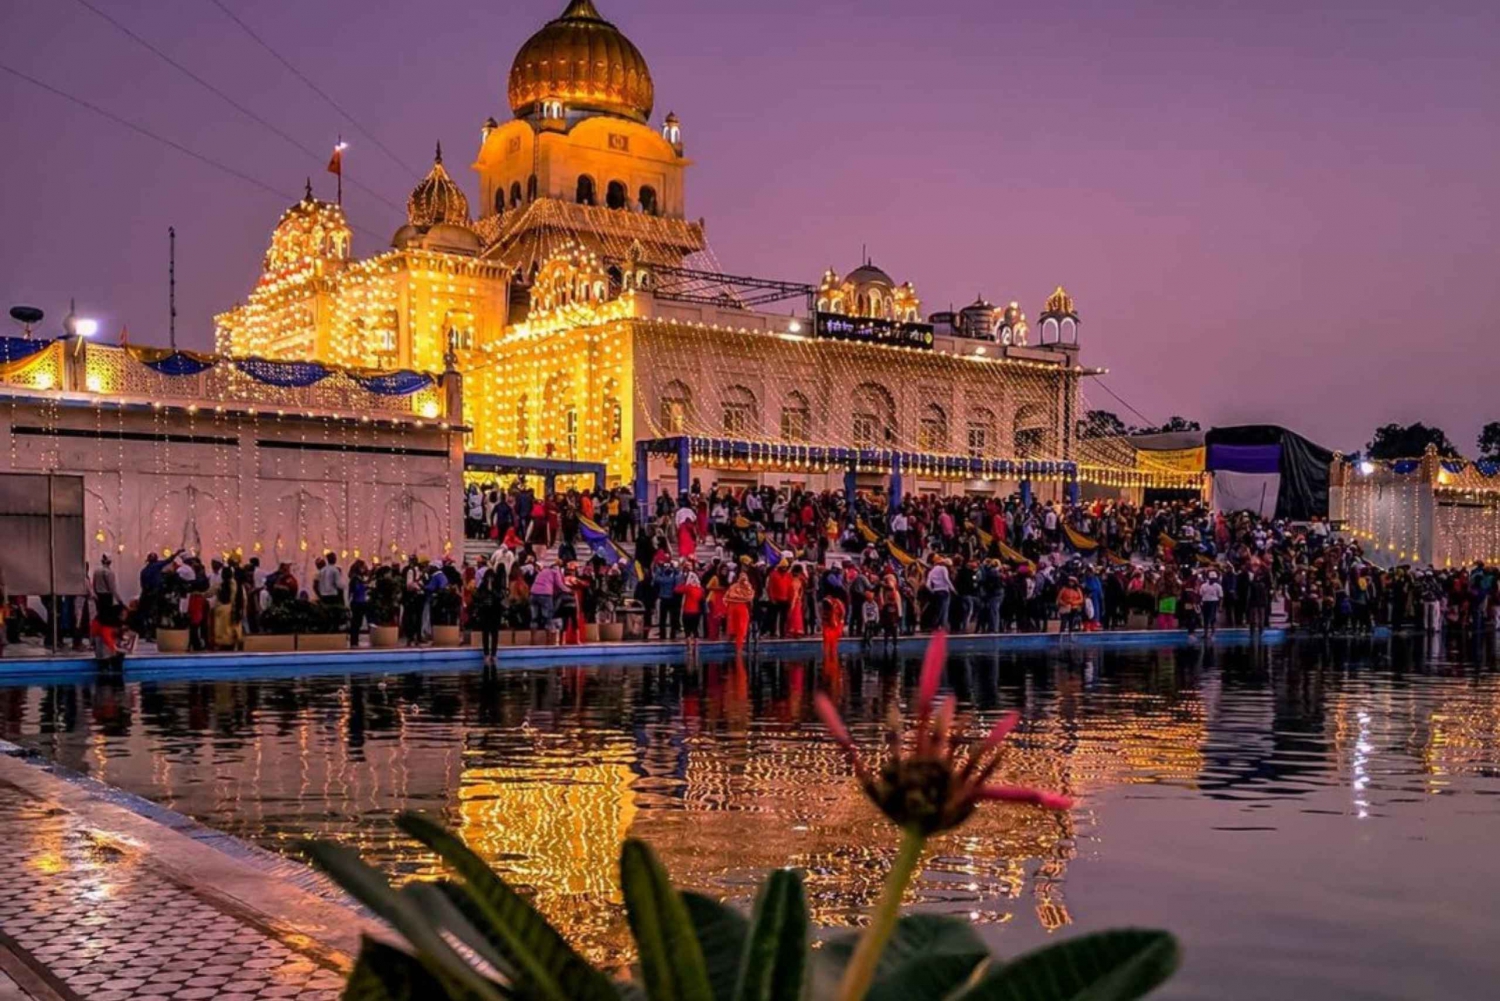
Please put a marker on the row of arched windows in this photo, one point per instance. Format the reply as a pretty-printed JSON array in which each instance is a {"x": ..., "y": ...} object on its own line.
[
  {"x": 514, "y": 193},
  {"x": 872, "y": 420},
  {"x": 616, "y": 195}
]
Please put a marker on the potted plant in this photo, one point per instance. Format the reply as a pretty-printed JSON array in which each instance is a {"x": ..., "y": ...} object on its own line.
[
  {"x": 170, "y": 620},
  {"x": 447, "y": 606},
  {"x": 385, "y": 609},
  {"x": 611, "y": 630},
  {"x": 278, "y": 625},
  {"x": 323, "y": 627}
]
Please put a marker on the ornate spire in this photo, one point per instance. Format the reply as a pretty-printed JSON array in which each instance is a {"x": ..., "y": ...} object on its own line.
[
  {"x": 437, "y": 199},
  {"x": 1059, "y": 303}
]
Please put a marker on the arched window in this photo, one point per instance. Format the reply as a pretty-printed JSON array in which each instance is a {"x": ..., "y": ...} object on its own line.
[
  {"x": 570, "y": 431},
  {"x": 616, "y": 196},
  {"x": 1069, "y": 331},
  {"x": 796, "y": 418},
  {"x": 1030, "y": 433},
  {"x": 676, "y": 405},
  {"x": 500, "y": 199},
  {"x": 531, "y": 188},
  {"x": 648, "y": 199},
  {"x": 459, "y": 323},
  {"x": 523, "y": 428},
  {"x": 932, "y": 429},
  {"x": 515, "y": 193},
  {"x": 585, "y": 195},
  {"x": 741, "y": 416},
  {"x": 981, "y": 436},
  {"x": 1049, "y": 330},
  {"x": 873, "y": 417}
]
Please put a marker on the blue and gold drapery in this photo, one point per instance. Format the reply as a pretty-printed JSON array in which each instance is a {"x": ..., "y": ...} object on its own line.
[
  {"x": 171, "y": 361},
  {"x": 290, "y": 374},
  {"x": 386, "y": 383}
]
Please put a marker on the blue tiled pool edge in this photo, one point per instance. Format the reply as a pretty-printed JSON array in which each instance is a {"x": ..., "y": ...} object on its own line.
[{"x": 365, "y": 660}]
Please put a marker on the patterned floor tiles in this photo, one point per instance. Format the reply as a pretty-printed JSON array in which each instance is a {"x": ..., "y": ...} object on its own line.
[{"x": 111, "y": 927}]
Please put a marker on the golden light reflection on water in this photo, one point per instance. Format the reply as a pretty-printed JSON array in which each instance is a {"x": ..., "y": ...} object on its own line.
[{"x": 726, "y": 772}]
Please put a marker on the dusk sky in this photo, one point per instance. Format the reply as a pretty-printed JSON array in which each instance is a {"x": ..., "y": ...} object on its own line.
[{"x": 1277, "y": 212}]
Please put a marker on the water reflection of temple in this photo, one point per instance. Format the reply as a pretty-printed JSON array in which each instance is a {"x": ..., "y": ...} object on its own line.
[{"x": 719, "y": 767}]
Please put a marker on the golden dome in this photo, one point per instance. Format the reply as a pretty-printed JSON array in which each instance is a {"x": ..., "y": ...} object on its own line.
[
  {"x": 437, "y": 199},
  {"x": 585, "y": 62}
]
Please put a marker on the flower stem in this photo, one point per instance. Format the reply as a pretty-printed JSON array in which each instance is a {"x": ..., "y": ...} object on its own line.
[{"x": 860, "y": 972}]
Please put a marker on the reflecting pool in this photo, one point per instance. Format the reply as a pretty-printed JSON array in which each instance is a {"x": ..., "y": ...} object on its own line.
[{"x": 1314, "y": 820}]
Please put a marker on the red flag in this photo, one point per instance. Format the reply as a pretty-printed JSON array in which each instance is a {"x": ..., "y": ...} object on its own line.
[
  {"x": 124, "y": 336},
  {"x": 336, "y": 164}
]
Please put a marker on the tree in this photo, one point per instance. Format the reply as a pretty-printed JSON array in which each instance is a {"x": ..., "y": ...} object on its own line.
[
  {"x": 1489, "y": 441},
  {"x": 1408, "y": 441},
  {"x": 1101, "y": 424},
  {"x": 1173, "y": 424}
]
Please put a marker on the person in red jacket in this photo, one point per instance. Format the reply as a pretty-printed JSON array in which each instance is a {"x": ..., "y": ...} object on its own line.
[
  {"x": 691, "y": 590},
  {"x": 779, "y": 589}
]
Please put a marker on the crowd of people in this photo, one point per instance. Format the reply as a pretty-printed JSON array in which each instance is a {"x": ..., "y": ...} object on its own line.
[{"x": 753, "y": 563}]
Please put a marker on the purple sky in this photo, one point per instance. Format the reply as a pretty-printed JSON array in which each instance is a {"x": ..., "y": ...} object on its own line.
[{"x": 1279, "y": 211}]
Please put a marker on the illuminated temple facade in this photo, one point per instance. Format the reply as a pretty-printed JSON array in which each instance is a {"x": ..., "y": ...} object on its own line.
[{"x": 586, "y": 312}]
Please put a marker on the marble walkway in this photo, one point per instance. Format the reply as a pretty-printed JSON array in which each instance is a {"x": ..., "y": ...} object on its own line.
[{"x": 98, "y": 903}]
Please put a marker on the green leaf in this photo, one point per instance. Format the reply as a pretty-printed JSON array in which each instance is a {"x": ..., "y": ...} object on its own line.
[
  {"x": 775, "y": 956},
  {"x": 926, "y": 978},
  {"x": 370, "y": 888},
  {"x": 926, "y": 952},
  {"x": 543, "y": 963},
  {"x": 1108, "y": 966},
  {"x": 672, "y": 962},
  {"x": 721, "y": 932},
  {"x": 917, "y": 936},
  {"x": 385, "y": 973}
]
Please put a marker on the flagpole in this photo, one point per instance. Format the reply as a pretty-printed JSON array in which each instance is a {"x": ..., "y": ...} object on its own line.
[{"x": 340, "y": 175}]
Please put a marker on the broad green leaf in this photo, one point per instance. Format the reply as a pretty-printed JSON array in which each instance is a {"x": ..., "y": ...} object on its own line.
[
  {"x": 370, "y": 888},
  {"x": 775, "y": 958},
  {"x": 916, "y": 936},
  {"x": 672, "y": 962},
  {"x": 544, "y": 965},
  {"x": 721, "y": 931},
  {"x": 1107, "y": 966},
  {"x": 385, "y": 973},
  {"x": 436, "y": 902},
  {"x": 926, "y": 978}
]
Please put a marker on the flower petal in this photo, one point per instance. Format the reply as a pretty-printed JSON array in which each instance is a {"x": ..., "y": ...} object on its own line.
[
  {"x": 829, "y": 714},
  {"x": 1020, "y": 794},
  {"x": 932, "y": 673},
  {"x": 1002, "y": 728}
]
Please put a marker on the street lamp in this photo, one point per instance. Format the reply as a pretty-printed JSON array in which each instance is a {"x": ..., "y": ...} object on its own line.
[{"x": 78, "y": 326}]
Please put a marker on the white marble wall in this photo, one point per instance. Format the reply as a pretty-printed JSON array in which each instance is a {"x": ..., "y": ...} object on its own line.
[{"x": 349, "y": 485}]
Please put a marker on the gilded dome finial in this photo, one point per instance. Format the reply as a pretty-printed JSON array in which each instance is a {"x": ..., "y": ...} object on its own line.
[
  {"x": 584, "y": 62},
  {"x": 438, "y": 156},
  {"x": 307, "y": 191}
]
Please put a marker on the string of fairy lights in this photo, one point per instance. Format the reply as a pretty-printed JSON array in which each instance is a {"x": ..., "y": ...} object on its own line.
[{"x": 1382, "y": 504}]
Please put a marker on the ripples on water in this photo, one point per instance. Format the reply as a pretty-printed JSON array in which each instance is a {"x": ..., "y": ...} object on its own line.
[{"x": 1312, "y": 818}]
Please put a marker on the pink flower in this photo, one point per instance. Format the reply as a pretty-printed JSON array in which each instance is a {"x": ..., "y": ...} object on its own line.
[{"x": 925, "y": 783}]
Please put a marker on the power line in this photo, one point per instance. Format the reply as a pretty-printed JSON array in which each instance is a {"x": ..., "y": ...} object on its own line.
[
  {"x": 142, "y": 130},
  {"x": 231, "y": 101},
  {"x": 316, "y": 89},
  {"x": 1124, "y": 402}
]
